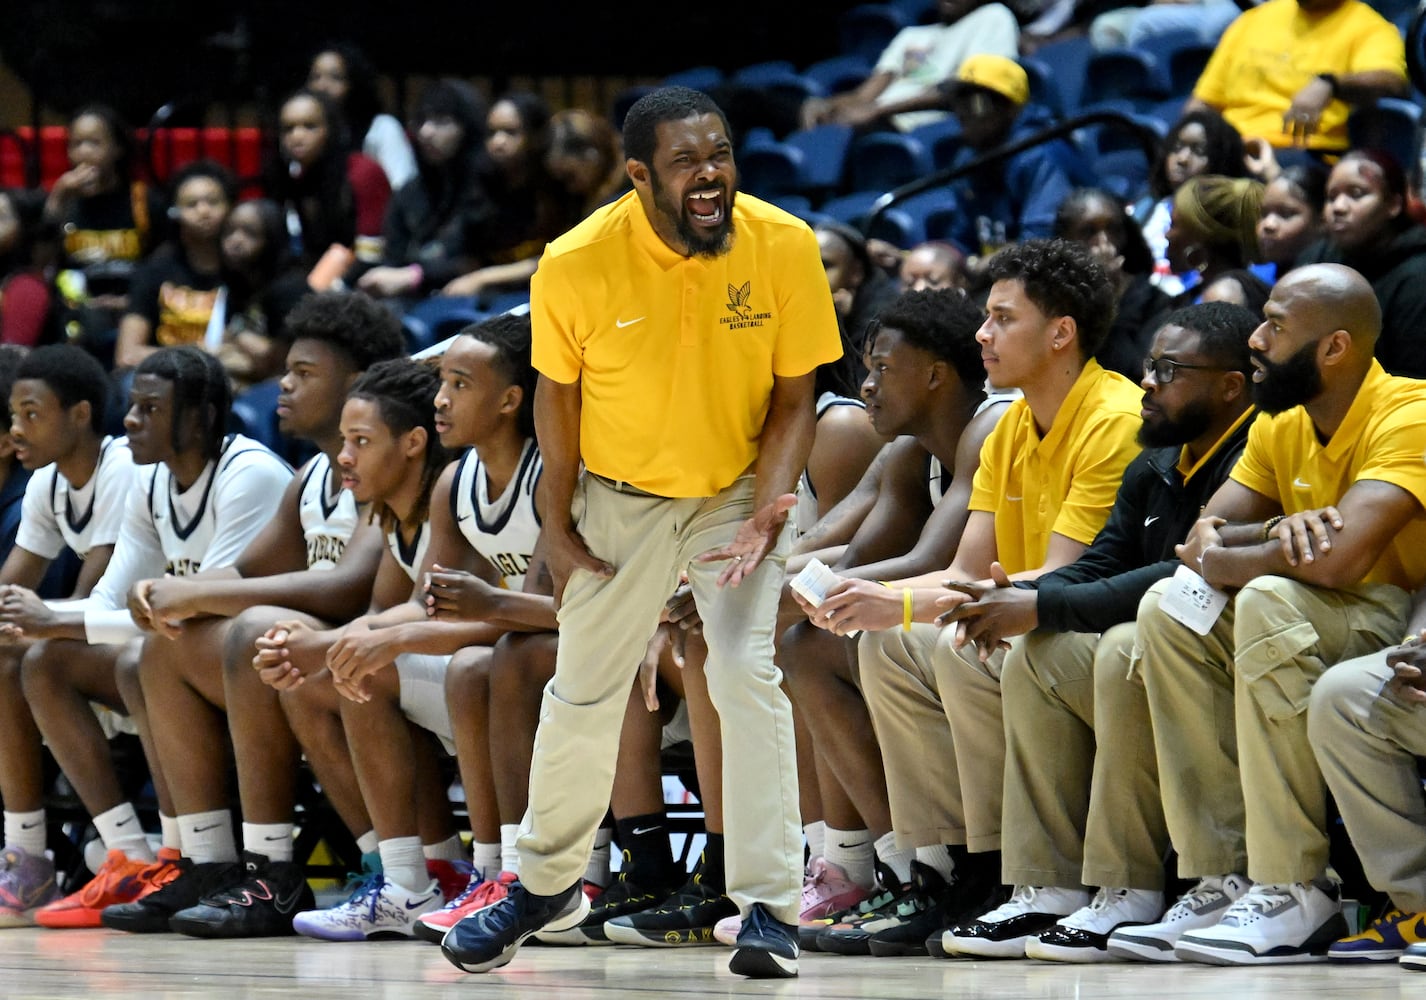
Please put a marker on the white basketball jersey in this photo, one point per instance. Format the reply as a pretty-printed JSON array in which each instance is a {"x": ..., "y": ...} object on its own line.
[
  {"x": 938, "y": 479},
  {"x": 186, "y": 522},
  {"x": 56, "y": 514},
  {"x": 328, "y": 521},
  {"x": 504, "y": 530},
  {"x": 410, "y": 558},
  {"x": 805, "y": 513}
]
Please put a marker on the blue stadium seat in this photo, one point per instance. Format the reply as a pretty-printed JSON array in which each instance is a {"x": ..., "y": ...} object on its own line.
[
  {"x": 771, "y": 170},
  {"x": 1066, "y": 60},
  {"x": 1123, "y": 73},
  {"x": 915, "y": 11},
  {"x": 1163, "y": 47},
  {"x": 942, "y": 139},
  {"x": 757, "y": 74},
  {"x": 1186, "y": 66},
  {"x": 867, "y": 28},
  {"x": 696, "y": 77},
  {"x": 254, "y": 413},
  {"x": 885, "y": 160},
  {"x": 849, "y": 208},
  {"x": 1392, "y": 124},
  {"x": 839, "y": 73},
  {"x": 1044, "y": 89},
  {"x": 824, "y": 157}
]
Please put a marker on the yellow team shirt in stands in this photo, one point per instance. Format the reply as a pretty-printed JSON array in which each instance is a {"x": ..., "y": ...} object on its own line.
[
  {"x": 676, "y": 355},
  {"x": 1065, "y": 482},
  {"x": 1383, "y": 437},
  {"x": 1271, "y": 52}
]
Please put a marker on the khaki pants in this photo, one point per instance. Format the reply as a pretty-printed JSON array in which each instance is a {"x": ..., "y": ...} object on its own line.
[
  {"x": 937, "y": 718},
  {"x": 605, "y": 625},
  {"x": 1229, "y": 715},
  {"x": 1367, "y": 741},
  {"x": 1081, "y": 782}
]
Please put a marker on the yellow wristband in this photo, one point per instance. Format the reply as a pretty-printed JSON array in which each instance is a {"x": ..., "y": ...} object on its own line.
[{"x": 906, "y": 608}]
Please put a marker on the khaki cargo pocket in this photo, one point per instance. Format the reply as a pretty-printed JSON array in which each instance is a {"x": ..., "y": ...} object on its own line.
[{"x": 1276, "y": 675}]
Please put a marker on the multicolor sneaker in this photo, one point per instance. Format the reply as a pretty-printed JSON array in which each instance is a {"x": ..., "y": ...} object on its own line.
[
  {"x": 767, "y": 948},
  {"x": 888, "y": 890},
  {"x": 1384, "y": 941},
  {"x": 118, "y": 880},
  {"x": 261, "y": 905},
  {"x": 826, "y": 890},
  {"x": 453, "y": 877},
  {"x": 685, "y": 918},
  {"x": 625, "y": 897},
  {"x": 152, "y": 911},
  {"x": 377, "y": 908},
  {"x": 489, "y": 938},
  {"x": 1197, "y": 909},
  {"x": 1083, "y": 936},
  {"x": 1270, "y": 925},
  {"x": 479, "y": 893},
  {"x": 26, "y": 884}
]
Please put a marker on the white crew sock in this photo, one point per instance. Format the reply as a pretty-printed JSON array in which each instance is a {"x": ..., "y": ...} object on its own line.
[
  {"x": 851, "y": 851},
  {"x": 404, "y": 863},
  {"x": 509, "y": 854},
  {"x": 485, "y": 858},
  {"x": 208, "y": 837},
  {"x": 816, "y": 834},
  {"x": 597, "y": 871},
  {"x": 120, "y": 830},
  {"x": 898, "y": 859},
  {"x": 367, "y": 842},
  {"x": 937, "y": 857},
  {"x": 171, "y": 836},
  {"x": 450, "y": 849},
  {"x": 26, "y": 831},
  {"x": 272, "y": 840}
]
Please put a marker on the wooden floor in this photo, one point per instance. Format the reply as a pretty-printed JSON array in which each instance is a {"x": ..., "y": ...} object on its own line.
[{"x": 102, "y": 964}]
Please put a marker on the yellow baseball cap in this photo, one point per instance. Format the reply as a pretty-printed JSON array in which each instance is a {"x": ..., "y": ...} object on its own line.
[{"x": 1004, "y": 76}]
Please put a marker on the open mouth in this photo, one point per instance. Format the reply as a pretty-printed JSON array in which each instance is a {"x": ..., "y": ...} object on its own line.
[{"x": 705, "y": 207}]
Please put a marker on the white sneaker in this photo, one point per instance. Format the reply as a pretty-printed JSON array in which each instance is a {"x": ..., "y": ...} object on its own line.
[
  {"x": 377, "y": 908},
  {"x": 1196, "y": 909},
  {"x": 1270, "y": 924},
  {"x": 1003, "y": 932},
  {"x": 1083, "y": 936}
]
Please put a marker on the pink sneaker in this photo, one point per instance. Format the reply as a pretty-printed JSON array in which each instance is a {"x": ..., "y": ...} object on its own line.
[
  {"x": 827, "y": 890},
  {"x": 479, "y": 893}
]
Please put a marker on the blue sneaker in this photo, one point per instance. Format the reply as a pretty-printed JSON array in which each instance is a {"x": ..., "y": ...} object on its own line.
[
  {"x": 1383, "y": 941},
  {"x": 766, "y": 948},
  {"x": 489, "y": 938}
]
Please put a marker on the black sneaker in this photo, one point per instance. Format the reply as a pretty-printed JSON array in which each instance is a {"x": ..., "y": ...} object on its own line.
[
  {"x": 489, "y": 938},
  {"x": 151, "y": 914},
  {"x": 934, "y": 904},
  {"x": 687, "y": 917},
  {"x": 767, "y": 948},
  {"x": 624, "y": 897},
  {"x": 853, "y": 937},
  {"x": 262, "y": 905},
  {"x": 887, "y": 889}
]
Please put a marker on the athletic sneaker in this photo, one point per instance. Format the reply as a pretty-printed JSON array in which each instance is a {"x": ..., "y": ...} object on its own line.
[
  {"x": 451, "y": 876},
  {"x": 685, "y": 918},
  {"x": 1004, "y": 931},
  {"x": 489, "y": 938},
  {"x": 623, "y": 898},
  {"x": 118, "y": 880},
  {"x": 1383, "y": 941},
  {"x": 1197, "y": 909},
  {"x": 1083, "y": 936},
  {"x": 261, "y": 905},
  {"x": 826, "y": 890},
  {"x": 26, "y": 884},
  {"x": 921, "y": 894},
  {"x": 377, "y": 908},
  {"x": 767, "y": 948},
  {"x": 1413, "y": 958},
  {"x": 934, "y": 905},
  {"x": 151, "y": 912},
  {"x": 479, "y": 893},
  {"x": 888, "y": 891},
  {"x": 1269, "y": 925}
]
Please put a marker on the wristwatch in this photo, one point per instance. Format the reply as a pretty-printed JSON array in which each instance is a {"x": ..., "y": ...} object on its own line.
[{"x": 1331, "y": 80}]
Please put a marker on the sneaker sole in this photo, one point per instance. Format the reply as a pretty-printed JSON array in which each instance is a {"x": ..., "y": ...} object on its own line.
[
  {"x": 759, "y": 963},
  {"x": 1359, "y": 957},
  {"x": 428, "y": 932},
  {"x": 572, "y": 919},
  {"x": 70, "y": 920},
  {"x": 499, "y": 960},
  {"x": 981, "y": 948},
  {"x": 1412, "y": 963},
  {"x": 897, "y": 949},
  {"x": 691, "y": 937},
  {"x": 1141, "y": 949},
  {"x": 1037, "y": 949}
]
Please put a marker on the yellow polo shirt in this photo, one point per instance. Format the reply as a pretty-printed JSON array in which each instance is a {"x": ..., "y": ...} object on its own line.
[
  {"x": 1271, "y": 52},
  {"x": 1065, "y": 482},
  {"x": 1383, "y": 437},
  {"x": 676, "y": 355}
]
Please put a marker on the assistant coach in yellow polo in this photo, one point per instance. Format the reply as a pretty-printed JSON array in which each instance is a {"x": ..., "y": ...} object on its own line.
[{"x": 676, "y": 334}]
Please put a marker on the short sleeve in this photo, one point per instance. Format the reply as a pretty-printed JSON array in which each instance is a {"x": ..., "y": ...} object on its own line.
[
  {"x": 555, "y": 349},
  {"x": 1255, "y": 467},
  {"x": 808, "y": 335},
  {"x": 39, "y": 531}
]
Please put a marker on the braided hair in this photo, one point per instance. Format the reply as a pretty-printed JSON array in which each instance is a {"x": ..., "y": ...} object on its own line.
[
  {"x": 404, "y": 393},
  {"x": 200, "y": 387}
]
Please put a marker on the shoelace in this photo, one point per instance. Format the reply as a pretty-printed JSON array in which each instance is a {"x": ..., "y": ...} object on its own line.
[
  {"x": 1022, "y": 900},
  {"x": 103, "y": 879},
  {"x": 1105, "y": 898},
  {"x": 1260, "y": 899},
  {"x": 1200, "y": 894}
]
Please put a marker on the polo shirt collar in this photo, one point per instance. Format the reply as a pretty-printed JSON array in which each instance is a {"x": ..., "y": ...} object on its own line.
[
  {"x": 1371, "y": 394},
  {"x": 1065, "y": 417},
  {"x": 647, "y": 239},
  {"x": 1187, "y": 471}
]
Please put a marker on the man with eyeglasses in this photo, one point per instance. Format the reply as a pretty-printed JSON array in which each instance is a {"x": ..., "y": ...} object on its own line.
[
  {"x": 1319, "y": 536},
  {"x": 1081, "y": 801}
]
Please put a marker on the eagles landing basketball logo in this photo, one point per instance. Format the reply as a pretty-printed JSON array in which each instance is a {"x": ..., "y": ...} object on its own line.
[{"x": 742, "y": 310}]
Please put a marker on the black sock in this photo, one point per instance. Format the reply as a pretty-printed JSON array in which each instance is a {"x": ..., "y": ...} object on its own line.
[
  {"x": 648, "y": 857},
  {"x": 710, "y": 866}
]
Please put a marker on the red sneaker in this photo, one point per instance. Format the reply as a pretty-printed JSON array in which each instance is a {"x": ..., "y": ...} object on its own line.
[
  {"x": 118, "y": 880},
  {"x": 477, "y": 896}
]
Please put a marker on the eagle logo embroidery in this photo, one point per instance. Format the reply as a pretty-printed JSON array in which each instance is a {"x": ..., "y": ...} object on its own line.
[{"x": 738, "y": 301}]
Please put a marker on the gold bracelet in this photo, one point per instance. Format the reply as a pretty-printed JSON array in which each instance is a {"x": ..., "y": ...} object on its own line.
[
  {"x": 1270, "y": 524},
  {"x": 906, "y": 609}
]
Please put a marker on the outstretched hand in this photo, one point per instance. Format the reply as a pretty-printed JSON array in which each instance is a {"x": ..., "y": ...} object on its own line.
[{"x": 755, "y": 538}]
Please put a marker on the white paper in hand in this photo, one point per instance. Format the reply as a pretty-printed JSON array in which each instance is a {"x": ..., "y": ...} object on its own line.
[
  {"x": 814, "y": 581},
  {"x": 1192, "y": 601}
]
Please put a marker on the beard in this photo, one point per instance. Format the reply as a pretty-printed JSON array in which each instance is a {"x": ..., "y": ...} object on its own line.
[
  {"x": 1169, "y": 431},
  {"x": 700, "y": 242},
  {"x": 1290, "y": 383}
]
